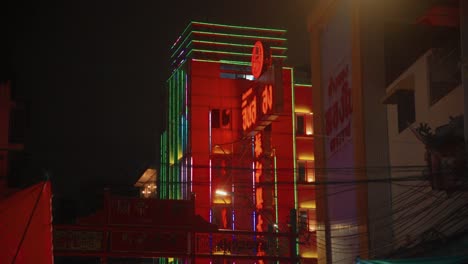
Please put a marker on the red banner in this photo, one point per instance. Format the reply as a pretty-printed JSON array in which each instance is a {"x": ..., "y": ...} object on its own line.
[{"x": 26, "y": 226}]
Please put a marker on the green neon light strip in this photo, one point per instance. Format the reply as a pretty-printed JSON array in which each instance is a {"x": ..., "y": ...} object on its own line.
[
  {"x": 237, "y": 35},
  {"x": 179, "y": 133},
  {"x": 181, "y": 45},
  {"x": 302, "y": 84},
  {"x": 243, "y": 63},
  {"x": 225, "y": 26},
  {"x": 231, "y": 53},
  {"x": 225, "y": 35},
  {"x": 228, "y": 44},
  {"x": 171, "y": 132},
  {"x": 173, "y": 176},
  {"x": 294, "y": 150},
  {"x": 240, "y": 27},
  {"x": 163, "y": 167},
  {"x": 294, "y": 140},
  {"x": 166, "y": 168},
  {"x": 181, "y": 35},
  {"x": 233, "y": 44},
  {"x": 180, "y": 64}
]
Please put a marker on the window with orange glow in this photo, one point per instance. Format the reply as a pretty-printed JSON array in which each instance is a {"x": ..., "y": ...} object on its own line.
[
  {"x": 222, "y": 216},
  {"x": 303, "y": 224},
  {"x": 304, "y": 124},
  {"x": 305, "y": 171},
  {"x": 306, "y": 221}
]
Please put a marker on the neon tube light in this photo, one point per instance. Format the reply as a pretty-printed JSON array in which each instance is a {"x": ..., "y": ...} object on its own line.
[
  {"x": 191, "y": 175},
  {"x": 230, "y": 53},
  {"x": 243, "y": 63},
  {"x": 211, "y": 196},
  {"x": 254, "y": 195},
  {"x": 225, "y": 35},
  {"x": 294, "y": 150},
  {"x": 276, "y": 187},
  {"x": 181, "y": 35},
  {"x": 294, "y": 139},
  {"x": 232, "y": 205},
  {"x": 281, "y": 49},
  {"x": 181, "y": 44},
  {"x": 239, "y": 27},
  {"x": 237, "y": 35},
  {"x": 303, "y": 85},
  {"x": 233, "y": 44}
]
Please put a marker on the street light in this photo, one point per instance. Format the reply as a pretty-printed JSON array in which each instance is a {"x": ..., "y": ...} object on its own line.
[{"x": 221, "y": 193}]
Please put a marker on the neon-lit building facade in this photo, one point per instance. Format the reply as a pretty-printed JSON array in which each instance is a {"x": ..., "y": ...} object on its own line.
[{"x": 247, "y": 171}]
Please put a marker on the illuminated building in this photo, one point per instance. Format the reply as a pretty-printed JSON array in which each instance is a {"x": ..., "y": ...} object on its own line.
[
  {"x": 242, "y": 145},
  {"x": 147, "y": 183}
]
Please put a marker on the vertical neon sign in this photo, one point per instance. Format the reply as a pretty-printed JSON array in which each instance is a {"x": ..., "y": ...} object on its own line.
[
  {"x": 258, "y": 156},
  {"x": 258, "y": 150}
]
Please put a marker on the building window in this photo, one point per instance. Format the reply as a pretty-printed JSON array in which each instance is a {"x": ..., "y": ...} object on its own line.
[
  {"x": 17, "y": 125},
  {"x": 230, "y": 75},
  {"x": 402, "y": 95},
  {"x": 215, "y": 121},
  {"x": 221, "y": 166},
  {"x": 406, "y": 109},
  {"x": 303, "y": 225},
  {"x": 221, "y": 118},
  {"x": 305, "y": 171},
  {"x": 304, "y": 124},
  {"x": 444, "y": 72},
  {"x": 300, "y": 127},
  {"x": 3, "y": 167},
  {"x": 222, "y": 216},
  {"x": 235, "y": 68},
  {"x": 226, "y": 118}
]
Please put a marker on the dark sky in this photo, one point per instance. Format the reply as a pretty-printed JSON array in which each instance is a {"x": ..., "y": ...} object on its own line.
[{"x": 93, "y": 72}]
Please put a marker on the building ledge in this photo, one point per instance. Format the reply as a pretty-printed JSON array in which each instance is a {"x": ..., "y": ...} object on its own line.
[{"x": 405, "y": 85}]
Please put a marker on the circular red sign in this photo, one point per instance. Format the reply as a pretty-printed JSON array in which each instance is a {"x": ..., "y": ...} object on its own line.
[{"x": 260, "y": 59}]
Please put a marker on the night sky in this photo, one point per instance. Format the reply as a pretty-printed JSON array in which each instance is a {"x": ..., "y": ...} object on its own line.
[{"x": 93, "y": 72}]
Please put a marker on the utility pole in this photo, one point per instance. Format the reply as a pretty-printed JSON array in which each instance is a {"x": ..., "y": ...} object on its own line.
[{"x": 293, "y": 236}]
